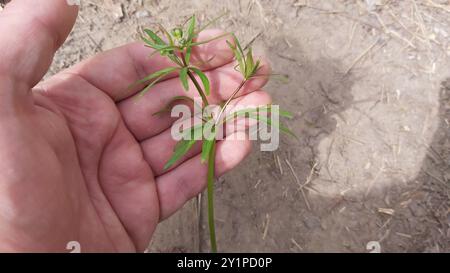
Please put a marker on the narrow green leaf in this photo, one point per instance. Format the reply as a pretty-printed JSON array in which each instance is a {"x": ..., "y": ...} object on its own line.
[
  {"x": 153, "y": 53},
  {"x": 241, "y": 53},
  {"x": 194, "y": 132},
  {"x": 191, "y": 29},
  {"x": 156, "y": 77},
  {"x": 239, "y": 57},
  {"x": 156, "y": 39},
  {"x": 184, "y": 78},
  {"x": 145, "y": 90},
  {"x": 182, "y": 147},
  {"x": 161, "y": 49},
  {"x": 249, "y": 64},
  {"x": 213, "y": 21},
  {"x": 281, "y": 78},
  {"x": 286, "y": 114},
  {"x": 175, "y": 59},
  {"x": 159, "y": 73},
  {"x": 262, "y": 109},
  {"x": 278, "y": 126},
  {"x": 255, "y": 68},
  {"x": 204, "y": 79},
  {"x": 253, "y": 113},
  {"x": 238, "y": 45},
  {"x": 185, "y": 144},
  {"x": 210, "y": 40},
  {"x": 149, "y": 43},
  {"x": 187, "y": 57},
  {"x": 167, "y": 34}
]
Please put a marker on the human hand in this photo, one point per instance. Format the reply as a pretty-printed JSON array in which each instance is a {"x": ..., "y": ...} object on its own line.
[{"x": 81, "y": 159}]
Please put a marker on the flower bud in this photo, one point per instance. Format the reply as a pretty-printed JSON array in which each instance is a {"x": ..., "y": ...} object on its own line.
[{"x": 177, "y": 33}]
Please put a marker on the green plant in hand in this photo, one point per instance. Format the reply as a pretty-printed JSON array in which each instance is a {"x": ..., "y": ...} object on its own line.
[{"x": 177, "y": 45}]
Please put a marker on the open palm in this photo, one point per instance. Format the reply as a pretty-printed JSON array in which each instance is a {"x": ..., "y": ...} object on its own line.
[{"x": 81, "y": 158}]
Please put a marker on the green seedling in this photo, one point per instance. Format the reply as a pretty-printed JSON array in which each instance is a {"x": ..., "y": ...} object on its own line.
[{"x": 177, "y": 45}]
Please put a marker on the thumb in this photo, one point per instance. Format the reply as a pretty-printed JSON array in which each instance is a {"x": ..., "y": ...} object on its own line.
[{"x": 32, "y": 31}]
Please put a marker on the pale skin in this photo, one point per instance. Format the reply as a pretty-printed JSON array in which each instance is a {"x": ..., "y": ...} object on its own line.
[{"x": 81, "y": 159}]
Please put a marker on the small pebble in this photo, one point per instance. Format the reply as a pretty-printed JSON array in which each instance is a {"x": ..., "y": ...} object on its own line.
[{"x": 142, "y": 14}]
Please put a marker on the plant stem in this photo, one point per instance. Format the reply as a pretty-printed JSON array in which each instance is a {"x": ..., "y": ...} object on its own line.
[
  {"x": 211, "y": 166},
  {"x": 229, "y": 100},
  {"x": 194, "y": 80},
  {"x": 199, "y": 89},
  {"x": 211, "y": 178}
]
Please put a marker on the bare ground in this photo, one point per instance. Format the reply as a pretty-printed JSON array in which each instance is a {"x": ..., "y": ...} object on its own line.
[{"x": 369, "y": 83}]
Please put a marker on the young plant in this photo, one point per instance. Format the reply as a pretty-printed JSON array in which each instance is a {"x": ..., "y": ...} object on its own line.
[{"x": 177, "y": 45}]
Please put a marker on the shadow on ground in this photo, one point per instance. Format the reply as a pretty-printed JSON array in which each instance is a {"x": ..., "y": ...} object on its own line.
[{"x": 259, "y": 207}]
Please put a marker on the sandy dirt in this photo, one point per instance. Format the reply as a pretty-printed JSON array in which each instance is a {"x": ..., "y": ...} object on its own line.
[{"x": 369, "y": 83}]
